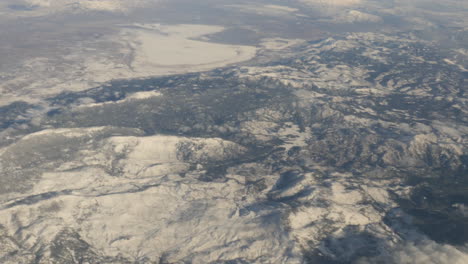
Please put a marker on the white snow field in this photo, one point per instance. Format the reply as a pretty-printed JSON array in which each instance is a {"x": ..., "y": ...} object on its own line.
[{"x": 173, "y": 49}]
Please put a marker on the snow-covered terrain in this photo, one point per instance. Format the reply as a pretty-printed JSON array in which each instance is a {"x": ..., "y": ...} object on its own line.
[
  {"x": 285, "y": 186},
  {"x": 171, "y": 49},
  {"x": 139, "y": 51},
  {"x": 138, "y": 179},
  {"x": 302, "y": 131}
]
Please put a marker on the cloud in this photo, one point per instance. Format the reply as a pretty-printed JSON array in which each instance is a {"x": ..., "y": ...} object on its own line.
[
  {"x": 336, "y": 3},
  {"x": 100, "y": 5},
  {"x": 43, "y": 3},
  {"x": 354, "y": 16},
  {"x": 342, "y": 11}
]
